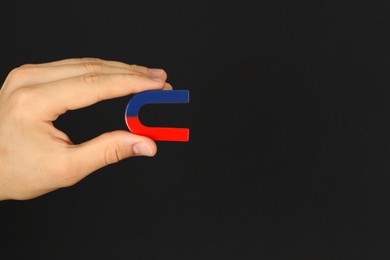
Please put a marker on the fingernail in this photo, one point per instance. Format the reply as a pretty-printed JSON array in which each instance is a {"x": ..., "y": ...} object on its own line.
[
  {"x": 142, "y": 149},
  {"x": 167, "y": 86},
  {"x": 156, "y": 72}
]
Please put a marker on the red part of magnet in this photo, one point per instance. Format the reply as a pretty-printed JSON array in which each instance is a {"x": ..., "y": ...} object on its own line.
[
  {"x": 158, "y": 133},
  {"x": 156, "y": 97}
]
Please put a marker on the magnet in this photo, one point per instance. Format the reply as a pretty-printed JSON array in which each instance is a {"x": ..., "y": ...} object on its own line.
[{"x": 156, "y": 97}]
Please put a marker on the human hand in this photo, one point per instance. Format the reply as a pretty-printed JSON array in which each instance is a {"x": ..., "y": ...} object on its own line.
[{"x": 37, "y": 158}]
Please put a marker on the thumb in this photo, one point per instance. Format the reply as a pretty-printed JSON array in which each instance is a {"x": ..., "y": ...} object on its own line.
[{"x": 110, "y": 148}]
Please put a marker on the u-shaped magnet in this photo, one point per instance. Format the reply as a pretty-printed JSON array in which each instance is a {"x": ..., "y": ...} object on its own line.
[{"x": 156, "y": 97}]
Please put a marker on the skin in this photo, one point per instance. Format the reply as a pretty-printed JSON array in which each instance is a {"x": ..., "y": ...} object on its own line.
[{"x": 35, "y": 157}]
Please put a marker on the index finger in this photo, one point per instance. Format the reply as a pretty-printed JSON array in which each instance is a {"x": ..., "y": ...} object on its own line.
[{"x": 73, "y": 93}]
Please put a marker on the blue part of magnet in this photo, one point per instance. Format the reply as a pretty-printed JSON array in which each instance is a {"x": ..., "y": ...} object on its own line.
[{"x": 155, "y": 97}]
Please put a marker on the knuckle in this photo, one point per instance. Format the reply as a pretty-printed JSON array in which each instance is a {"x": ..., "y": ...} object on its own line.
[
  {"x": 112, "y": 153},
  {"x": 133, "y": 67},
  {"x": 25, "y": 67},
  {"x": 22, "y": 99},
  {"x": 20, "y": 72},
  {"x": 93, "y": 66},
  {"x": 91, "y": 60},
  {"x": 92, "y": 79}
]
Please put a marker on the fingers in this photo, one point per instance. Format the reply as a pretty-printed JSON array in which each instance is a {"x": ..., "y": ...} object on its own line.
[
  {"x": 29, "y": 75},
  {"x": 55, "y": 87},
  {"x": 95, "y": 62},
  {"x": 107, "y": 149},
  {"x": 57, "y": 97}
]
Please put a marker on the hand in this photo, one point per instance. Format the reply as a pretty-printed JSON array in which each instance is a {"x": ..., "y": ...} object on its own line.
[{"x": 37, "y": 158}]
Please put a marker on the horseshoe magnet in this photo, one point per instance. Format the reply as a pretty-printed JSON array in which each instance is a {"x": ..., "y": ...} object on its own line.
[{"x": 156, "y": 97}]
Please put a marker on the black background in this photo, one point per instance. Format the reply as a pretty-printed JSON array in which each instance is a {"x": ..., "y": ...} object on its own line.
[{"x": 289, "y": 152}]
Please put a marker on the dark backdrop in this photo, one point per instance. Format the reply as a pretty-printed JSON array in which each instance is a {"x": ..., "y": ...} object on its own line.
[{"x": 289, "y": 152}]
